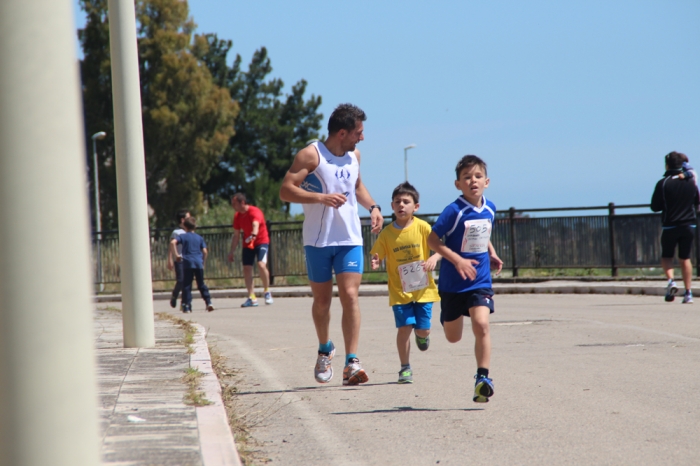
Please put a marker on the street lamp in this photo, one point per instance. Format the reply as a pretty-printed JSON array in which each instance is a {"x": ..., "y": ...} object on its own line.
[
  {"x": 98, "y": 218},
  {"x": 405, "y": 159}
]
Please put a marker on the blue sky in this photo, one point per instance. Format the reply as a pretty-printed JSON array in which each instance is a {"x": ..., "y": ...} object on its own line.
[{"x": 570, "y": 103}]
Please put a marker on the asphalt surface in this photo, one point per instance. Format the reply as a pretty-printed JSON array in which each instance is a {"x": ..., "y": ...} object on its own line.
[{"x": 579, "y": 379}]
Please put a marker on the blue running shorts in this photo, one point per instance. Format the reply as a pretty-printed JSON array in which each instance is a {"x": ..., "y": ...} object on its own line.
[
  {"x": 322, "y": 262},
  {"x": 415, "y": 314},
  {"x": 454, "y": 305}
]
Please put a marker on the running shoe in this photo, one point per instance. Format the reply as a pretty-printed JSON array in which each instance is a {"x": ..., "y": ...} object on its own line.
[
  {"x": 354, "y": 374},
  {"x": 483, "y": 389},
  {"x": 423, "y": 343},
  {"x": 405, "y": 376},
  {"x": 671, "y": 291},
  {"x": 173, "y": 302},
  {"x": 186, "y": 308},
  {"x": 210, "y": 307},
  {"x": 688, "y": 297},
  {"x": 268, "y": 298},
  {"x": 323, "y": 371},
  {"x": 250, "y": 303}
]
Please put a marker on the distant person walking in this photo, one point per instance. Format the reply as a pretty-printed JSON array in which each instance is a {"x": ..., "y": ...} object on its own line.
[
  {"x": 249, "y": 224},
  {"x": 676, "y": 197},
  {"x": 193, "y": 256},
  {"x": 172, "y": 263},
  {"x": 325, "y": 179}
]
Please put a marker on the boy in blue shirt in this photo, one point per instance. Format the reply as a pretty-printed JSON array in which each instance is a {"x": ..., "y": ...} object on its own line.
[
  {"x": 465, "y": 276},
  {"x": 194, "y": 254}
]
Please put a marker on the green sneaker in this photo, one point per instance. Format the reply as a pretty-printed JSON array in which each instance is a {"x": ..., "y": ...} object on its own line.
[
  {"x": 405, "y": 376},
  {"x": 423, "y": 343}
]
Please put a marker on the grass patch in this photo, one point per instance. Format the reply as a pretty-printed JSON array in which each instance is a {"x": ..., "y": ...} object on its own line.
[
  {"x": 193, "y": 397},
  {"x": 249, "y": 449},
  {"x": 189, "y": 330}
]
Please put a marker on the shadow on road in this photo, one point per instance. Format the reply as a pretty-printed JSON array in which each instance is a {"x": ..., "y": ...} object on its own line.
[{"x": 406, "y": 409}]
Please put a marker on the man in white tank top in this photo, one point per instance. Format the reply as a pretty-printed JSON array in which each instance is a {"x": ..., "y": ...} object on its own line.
[{"x": 325, "y": 179}]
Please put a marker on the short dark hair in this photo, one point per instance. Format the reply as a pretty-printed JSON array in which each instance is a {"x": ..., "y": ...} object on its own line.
[
  {"x": 240, "y": 197},
  {"x": 406, "y": 188},
  {"x": 345, "y": 116},
  {"x": 675, "y": 160},
  {"x": 181, "y": 214},
  {"x": 191, "y": 223},
  {"x": 469, "y": 161}
]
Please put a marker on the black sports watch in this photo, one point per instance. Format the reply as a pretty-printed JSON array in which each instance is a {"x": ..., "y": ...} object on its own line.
[{"x": 375, "y": 206}]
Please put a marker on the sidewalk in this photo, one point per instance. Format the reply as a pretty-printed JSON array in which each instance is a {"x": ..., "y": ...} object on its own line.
[
  {"x": 506, "y": 286},
  {"x": 143, "y": 418}
]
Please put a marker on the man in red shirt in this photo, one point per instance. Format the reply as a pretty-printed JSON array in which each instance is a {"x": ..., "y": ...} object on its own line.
[{"x": 249, "y": 222}]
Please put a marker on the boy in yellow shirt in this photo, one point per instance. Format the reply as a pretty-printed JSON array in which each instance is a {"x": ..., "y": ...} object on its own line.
[{"x": 412, "y": 290}]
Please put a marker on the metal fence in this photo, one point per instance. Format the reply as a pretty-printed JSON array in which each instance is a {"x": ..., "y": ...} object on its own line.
[{"x": 611, "y": 241}]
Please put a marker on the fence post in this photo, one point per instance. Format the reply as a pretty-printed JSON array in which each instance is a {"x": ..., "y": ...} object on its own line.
[
  {"x": 511, "y": 216},
  {"x": 611, "y": 228},
  {"x": 270, "y": 267}
]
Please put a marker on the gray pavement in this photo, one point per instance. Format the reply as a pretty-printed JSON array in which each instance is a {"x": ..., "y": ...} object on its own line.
[{"x": 579, "y": 380}]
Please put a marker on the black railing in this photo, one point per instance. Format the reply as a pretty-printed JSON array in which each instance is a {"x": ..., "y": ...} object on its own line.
[{"x": 610, "y": 241}]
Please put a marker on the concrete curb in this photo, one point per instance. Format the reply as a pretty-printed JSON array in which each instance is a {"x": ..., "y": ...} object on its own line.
[{"x": 216, "y": 439}]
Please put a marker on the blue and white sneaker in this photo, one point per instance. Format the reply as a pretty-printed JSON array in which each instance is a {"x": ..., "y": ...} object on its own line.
[
  {"x": 483, "y": 389},
  {"x": 671, "y": 291},
  {"x": 688, "y": 297},
  {"x": 323, "y": 371},
  {"x": 250, "y": 303}
]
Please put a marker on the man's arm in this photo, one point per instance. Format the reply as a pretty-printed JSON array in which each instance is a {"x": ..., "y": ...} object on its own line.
[
  {"x": 657, "y": 201},
  {"x": 171, "y": 264},
  {"x": 205, "y": 253},
  {"x": 365, "y": 199},
  {"x": 304, "y": 163},
  {"x": 234, "y": 244}
]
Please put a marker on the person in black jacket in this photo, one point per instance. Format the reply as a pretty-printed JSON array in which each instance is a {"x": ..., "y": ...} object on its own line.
[{"x": 676, "y": 197}]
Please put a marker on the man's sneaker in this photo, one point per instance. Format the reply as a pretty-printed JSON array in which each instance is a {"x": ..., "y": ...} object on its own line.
[
  {"x": 268, "y": 298},
  {"x": 671, "y": 291},
  {"x": 423, "y": 343},
  {"x": 483, "y": 389},
  {"x": 323, "y": 371},
  {"x": 405, "y": 376},
  {"x": 210, "y": 307},
  {"x": 250, "y": 303},
  {"x": 173, "y": 302},
  {"x": 688, "y": 297},
  {"x": 186, "y": 308},
  {"x": 354, "y": 374}
]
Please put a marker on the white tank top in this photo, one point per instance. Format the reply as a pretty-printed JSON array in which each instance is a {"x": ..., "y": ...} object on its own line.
[{"x": 328, "y": 226}]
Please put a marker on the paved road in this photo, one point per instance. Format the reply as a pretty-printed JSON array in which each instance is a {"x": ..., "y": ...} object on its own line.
[{"x": 580, "y": 379}]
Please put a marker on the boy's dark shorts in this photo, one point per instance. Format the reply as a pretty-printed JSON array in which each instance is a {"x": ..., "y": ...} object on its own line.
[
  {"x": 682, "y": 236},
  {"x": 454, "y": 305}
]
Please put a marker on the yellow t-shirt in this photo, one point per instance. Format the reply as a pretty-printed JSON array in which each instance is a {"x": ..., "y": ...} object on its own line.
[{"x": 404, "y": 251}]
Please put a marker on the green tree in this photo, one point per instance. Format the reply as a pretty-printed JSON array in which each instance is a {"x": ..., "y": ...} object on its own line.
[
  {"x": 187, "y": 119},
  {"x": 270, "y": 129}
]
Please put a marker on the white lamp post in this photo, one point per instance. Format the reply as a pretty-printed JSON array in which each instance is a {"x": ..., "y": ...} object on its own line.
[
  {"x": 405, "y": 159},
  {"x": 98, "y": 217}
]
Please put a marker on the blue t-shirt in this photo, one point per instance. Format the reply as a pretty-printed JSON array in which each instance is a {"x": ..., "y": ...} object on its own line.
[
  {"x": 192, "y": 245},
  {"x": 467, "y": 231}
]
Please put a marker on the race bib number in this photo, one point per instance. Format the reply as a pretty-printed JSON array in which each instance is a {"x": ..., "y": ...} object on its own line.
[
  {"x": 413, "y": 276},
  {"x": 477, "y": 234}
]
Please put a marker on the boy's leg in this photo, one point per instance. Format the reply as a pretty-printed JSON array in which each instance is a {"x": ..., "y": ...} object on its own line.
[
  {"x": 403, "y": 343},
  {"x": 482, "y": 344},
  {"x": 201, "y": 286},
  {"x": 424, "y": 315},
  {"x": 188, "y": 274},
  {"x": 453, "y": 329}
]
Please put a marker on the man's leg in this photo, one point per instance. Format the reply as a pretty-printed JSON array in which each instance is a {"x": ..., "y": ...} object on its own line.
[
  {"x": 188, "y": 275},
  {"x": 264, "y": 275},
  {"x": 687, "y": 273},
  {"x": 321, "y": 309},
  {"x": 179, "y": 273},
  {"x": 248, "y": 277},
  {"x": 348, "y": 292},
  {"x": 667, "y": 265}
]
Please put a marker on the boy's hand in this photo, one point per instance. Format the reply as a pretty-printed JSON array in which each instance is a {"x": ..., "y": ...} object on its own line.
[
  {"x": 465, "y": 268},
  {"x": 495, "y": 262},
  {"x": 375, "y": 261},
  {"x": 431, "y": 263}
]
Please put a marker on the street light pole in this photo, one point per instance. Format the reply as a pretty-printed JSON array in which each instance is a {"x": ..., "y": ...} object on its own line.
[
  {"x": 98, "y": 217},
  {"x": 405, "y": 159}
]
